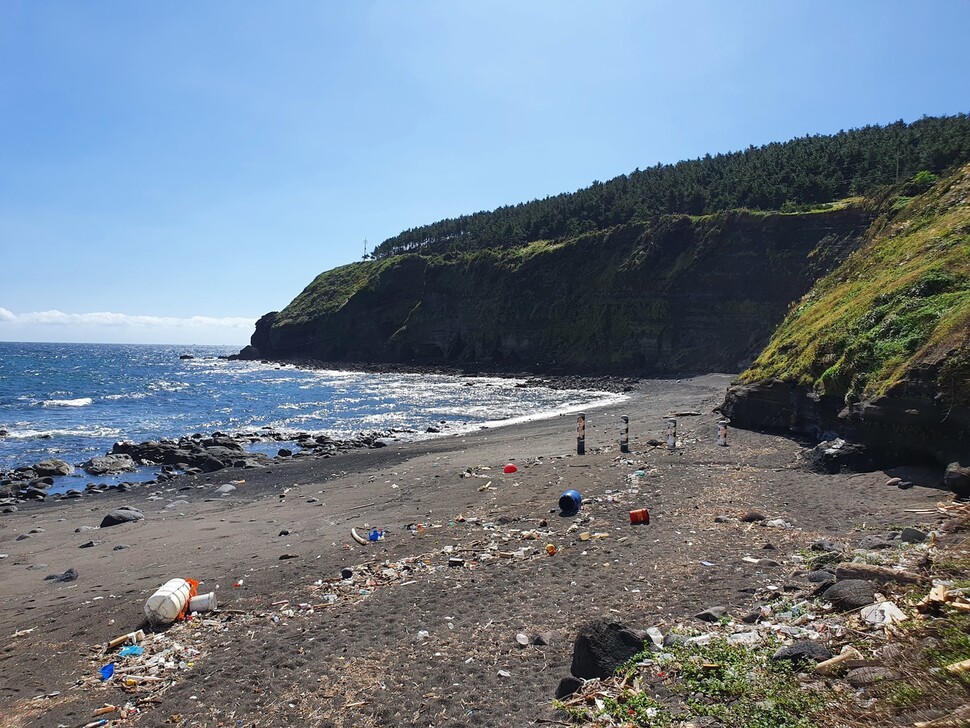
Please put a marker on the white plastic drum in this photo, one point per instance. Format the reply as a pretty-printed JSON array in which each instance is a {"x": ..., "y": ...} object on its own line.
[{"x": 166, "y": 604}]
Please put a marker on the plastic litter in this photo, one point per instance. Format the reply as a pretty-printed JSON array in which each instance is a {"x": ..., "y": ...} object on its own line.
[
  {"x": 509, "y": 469},
  {"x": 570, "y": 502},
  {"x": 131, "y": 650},
  {"x": 640, "y": 515},
  {"x": 107, "y": 671},
  {"x": 170, "y": 601}
]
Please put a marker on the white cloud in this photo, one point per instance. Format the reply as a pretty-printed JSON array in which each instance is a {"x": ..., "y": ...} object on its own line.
[{"x": 107, "y": 327}]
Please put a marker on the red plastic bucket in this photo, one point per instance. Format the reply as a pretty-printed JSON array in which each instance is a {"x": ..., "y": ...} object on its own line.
[{"x": 640, "y": 515}]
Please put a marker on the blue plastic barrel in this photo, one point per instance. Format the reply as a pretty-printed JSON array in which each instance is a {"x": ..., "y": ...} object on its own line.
[{"x": 570, "y": 501}]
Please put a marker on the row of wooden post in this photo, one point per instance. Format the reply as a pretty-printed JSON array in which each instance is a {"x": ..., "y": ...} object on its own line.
[{"x": 625, "y": 433}]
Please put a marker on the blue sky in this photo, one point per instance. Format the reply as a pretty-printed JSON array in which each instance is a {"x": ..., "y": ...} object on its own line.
[{"x": 171, "y": 171}]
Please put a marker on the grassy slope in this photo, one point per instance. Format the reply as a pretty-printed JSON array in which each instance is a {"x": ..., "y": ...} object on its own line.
[{"x": 900, "y": 302}]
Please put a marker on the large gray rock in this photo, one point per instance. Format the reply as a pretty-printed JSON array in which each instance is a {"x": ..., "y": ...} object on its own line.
[
  {"x": 957, "y": 479},
  {"x": 850, "y": 594},
  {"x": 602, "y": 646},
  {"x": 109, "y": 464},
  {"x": 125, "y": 514},
  {"x": 53, "y": 466}
]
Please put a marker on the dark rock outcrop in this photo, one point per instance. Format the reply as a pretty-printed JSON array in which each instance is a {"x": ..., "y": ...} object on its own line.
[{"x": 602, "y": 646}]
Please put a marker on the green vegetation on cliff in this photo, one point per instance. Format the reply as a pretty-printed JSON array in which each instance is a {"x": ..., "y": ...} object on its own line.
[
  {"x": 795, "y": 176},
  {"x": 898, "y": 305}
]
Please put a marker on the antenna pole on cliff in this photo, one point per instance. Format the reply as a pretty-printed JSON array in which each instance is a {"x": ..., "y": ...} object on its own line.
[{"x": 365, "y": 249}]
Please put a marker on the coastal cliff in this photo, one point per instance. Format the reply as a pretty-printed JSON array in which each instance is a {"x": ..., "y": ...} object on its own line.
[
  {"x": 683, "y": 294},
  {"x": 878, "y": 351}
]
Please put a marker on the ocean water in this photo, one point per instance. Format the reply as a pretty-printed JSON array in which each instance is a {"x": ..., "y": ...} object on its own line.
[{"x": 74, "y": 401}]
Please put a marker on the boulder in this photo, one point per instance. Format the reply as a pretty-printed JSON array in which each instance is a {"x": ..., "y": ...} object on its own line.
[
  {"x": 602, "y": 646},
  {"x": 850, "y": 594},
  {"x": 53, "y": 466},
  {"x": 957, "y": 479},
  {"x": 125, "y": 514},
  {"x": 109, "y": 464},
  {"x": 834, "y": 456}
]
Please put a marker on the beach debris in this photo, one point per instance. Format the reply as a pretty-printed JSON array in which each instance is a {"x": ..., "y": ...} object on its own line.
[
  {"x": 510, "y": 468},
  {"x": 882, "y": 614},
  {"x": 522, "y": 639},
  {"x": 107, "y": 671},
  {"x": 639, "y": 515},
  {"x": 170, "y": 601},
  {"x": 357, "y": 537},
  {"x": 872, "y": 572},
  {"x": 551, "y": 549},
  {"x": 130, "y": 638},
  {"x": 130, "y": 650},
  {"x": 202, "y": 603},
  {"x": 833, "y": 665},
  {"x": 23, "y": 632},
  {"x": 570, "y": 502}
]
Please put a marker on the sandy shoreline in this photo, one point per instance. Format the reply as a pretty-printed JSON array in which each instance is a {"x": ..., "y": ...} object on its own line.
[{"x": 363, "y": 660}]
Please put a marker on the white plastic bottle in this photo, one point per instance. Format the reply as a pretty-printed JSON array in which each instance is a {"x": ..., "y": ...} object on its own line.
[{"x": 165, "y": 605}]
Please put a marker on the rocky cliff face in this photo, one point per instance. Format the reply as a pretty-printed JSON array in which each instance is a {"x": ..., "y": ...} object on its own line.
[
  {"x": 878, "y": 351},
  {"x": 680, "y": 295}
]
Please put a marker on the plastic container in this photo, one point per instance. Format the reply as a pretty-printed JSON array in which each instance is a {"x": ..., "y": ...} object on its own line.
[
  {"x": 509, "y": 469},
  {"x": 203, "y": 603},
  {"x": 570, "y": 501},
  {"x": 640, "y": 515},
  {"x": 166, "y": 604}
]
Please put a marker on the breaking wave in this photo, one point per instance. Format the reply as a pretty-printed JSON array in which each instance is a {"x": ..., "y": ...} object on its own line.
[{"x": 79, "y": 402}]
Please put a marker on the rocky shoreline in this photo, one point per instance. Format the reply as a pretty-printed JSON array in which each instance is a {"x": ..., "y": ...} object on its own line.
[{"x": 189, "y": 455}]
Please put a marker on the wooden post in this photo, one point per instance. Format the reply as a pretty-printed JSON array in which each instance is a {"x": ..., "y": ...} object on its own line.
[
  {"x": 671, "y": 434},
  {"x": 581, "y": 434},
  {"x": 624, "y": 434}
]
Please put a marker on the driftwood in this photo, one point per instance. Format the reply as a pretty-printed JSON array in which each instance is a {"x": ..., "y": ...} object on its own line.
[{"x": 871, "y": 572}]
